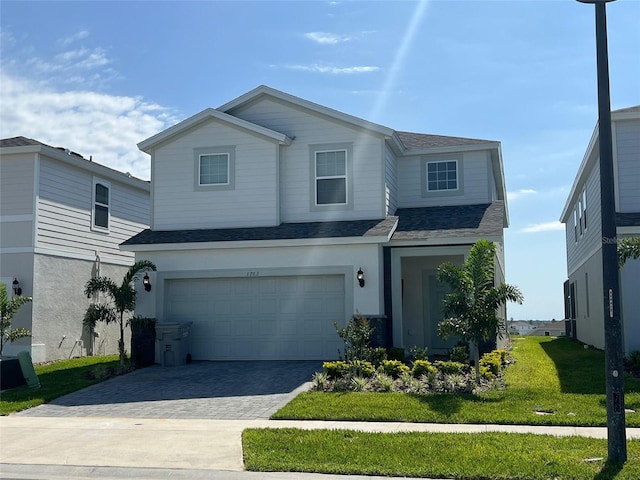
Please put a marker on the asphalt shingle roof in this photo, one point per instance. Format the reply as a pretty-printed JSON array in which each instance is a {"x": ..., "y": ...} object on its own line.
[
  {"x": 413, "y": 224},
  {"x": 450, "y": 221},
  {"x": 413, "y": 141},
  {"x": 19, "y": 142},
  {"x": 285, "y": 231}
]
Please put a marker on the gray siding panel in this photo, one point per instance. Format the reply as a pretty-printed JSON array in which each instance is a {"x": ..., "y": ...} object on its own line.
[
  {"x": 391, "y": 181},
  {"x": 64, "y": 213},
  {"x": 628, "y": 163},
  {"x": 16, "y": 184}
]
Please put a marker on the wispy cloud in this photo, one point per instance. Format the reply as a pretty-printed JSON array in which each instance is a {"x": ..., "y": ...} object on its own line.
[
  {"x": 65, "y": 42},
  {"x": 327, "y": 38},
  {"x": 543, "y": 227},
  {"x": 524, "y": 192},
  {"x": 318, "y": 68},
  {"x": 107, "y": 127}
]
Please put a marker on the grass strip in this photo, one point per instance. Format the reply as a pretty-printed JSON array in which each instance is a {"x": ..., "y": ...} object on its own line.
[
  {"x": 553, "y": 382},
  {"x": 484, "y": 456},
  {"x": 57, "y": 379}
]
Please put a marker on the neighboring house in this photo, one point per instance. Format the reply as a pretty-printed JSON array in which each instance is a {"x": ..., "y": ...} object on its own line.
[
  {"x": 581, "y": 214},
  {"x": 62, "y": 218},
  {"x": 274, "y": 217}
]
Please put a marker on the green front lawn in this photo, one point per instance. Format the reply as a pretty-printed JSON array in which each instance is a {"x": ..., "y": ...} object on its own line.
[
  {"x": 555, "y": 381},
  {"x": 58, "y": 379},
  {"x": 436, "y": 455}
]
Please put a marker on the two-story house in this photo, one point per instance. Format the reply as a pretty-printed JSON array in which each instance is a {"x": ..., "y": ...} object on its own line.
[
  {"x": 581, "y": 216},
  {"x": 62, "y": 218},
  {"x": 274, "y": 218}
]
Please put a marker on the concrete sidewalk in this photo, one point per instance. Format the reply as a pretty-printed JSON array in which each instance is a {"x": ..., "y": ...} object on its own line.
[{"x": 182, "y": 444}]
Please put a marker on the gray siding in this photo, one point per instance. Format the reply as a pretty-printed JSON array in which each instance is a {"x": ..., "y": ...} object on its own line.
[
  {"x": 590, "y": 240},
  {"x": 308, "y": 128},
  {"x": 628, "y": 164},
  {"x": 476, "y": 181},
  {"x": 391, "y": 180},
  {"x": 64, "y": 213},
  {"x": 16, "y": 184},
  {"x": 630, "y": 304},
  {"x": 251, "y": 202}
]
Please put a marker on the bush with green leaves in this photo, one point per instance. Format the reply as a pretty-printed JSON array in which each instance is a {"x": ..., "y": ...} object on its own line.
[
  {"x": 393, "y": 368},
  {"x": 8, "y": 308},
  {"x": 360, "y": 368},
  {"x": 382, "y": 382},
  {"x": 335, "y": 369},
  {"x": 422, "y": 367},
  {"x": 357, "y": 338},
  {"x": 396, "y": 353},
  {"x": 419, "y": 353},
  {"x": 460, "y": 354},
  {"x": 449, "y": 367},
  {"x": 378, "y": 355}
]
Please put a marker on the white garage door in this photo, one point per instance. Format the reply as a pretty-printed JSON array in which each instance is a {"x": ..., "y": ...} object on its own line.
[{"x": 259, "y": 318}]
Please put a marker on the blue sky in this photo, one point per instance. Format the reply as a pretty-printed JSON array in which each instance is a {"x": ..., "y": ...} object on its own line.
[{"x": 99, "y": 77}]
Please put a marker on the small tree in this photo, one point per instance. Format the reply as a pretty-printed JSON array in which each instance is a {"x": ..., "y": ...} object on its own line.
[
  {"x": 471, "y": 309},
  {"x": 123, "y": 299},
  {"x": 628, "y": 248},
  {"x": 357, "y": 338},
  {"x": 8, "y": 308}
]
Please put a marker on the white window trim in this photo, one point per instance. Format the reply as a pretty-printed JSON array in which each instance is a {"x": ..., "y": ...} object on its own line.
[
  {"x": 348, "y": 176},
  {"x": 198, "y": 153},
  {"x": 424, "y": 184},
  {"x": 94, "y": 227}
]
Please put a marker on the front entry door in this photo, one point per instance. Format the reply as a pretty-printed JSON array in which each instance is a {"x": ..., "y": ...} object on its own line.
[{"x": 432, "y": 296}]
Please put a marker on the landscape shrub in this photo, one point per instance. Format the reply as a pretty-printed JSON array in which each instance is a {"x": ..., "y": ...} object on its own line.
[
  {"x": 449, "y": 368},
  {"x": 378, "y": 355},
  {"x": 396, "y": 353},
  {"x": 460, "y": 354},
  {"x": 359, "y": 368},
  {"x": 492, "y": 361},
  {"x": 419, "y": 353},
  {"x": 335, "y": 369},
  {"x": 393, "y": 368},
  {"x": 382, "y": 382},
  {"x": 422, "y": 367},
  {"x": 356, "y": 337},
  {"x": 634, "y": 359},
  {"x": 359, "y": 384}
]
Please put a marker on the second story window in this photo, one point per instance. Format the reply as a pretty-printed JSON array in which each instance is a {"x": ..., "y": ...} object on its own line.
[
  {"x": 101, "y": 205},
  {"x": 214, "y": 169},
  {"x": 442, "y": 175},
  {"x": 331, "y": 177}
]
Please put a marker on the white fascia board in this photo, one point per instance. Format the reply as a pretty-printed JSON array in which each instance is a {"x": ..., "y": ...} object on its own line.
[
  {"x": 80, "y": 162},
  {"x": 452, "y": 149},
  {"x": 580, "y": 178},
  {"x": 330, "y": 112},
  {"x": 255, "y": 244},
  {"x": 150, "y": 143},
  {"x": 445, "y": 241},
  {"x": 632, "y": 231},
  {"x": 625, "y": 115}
]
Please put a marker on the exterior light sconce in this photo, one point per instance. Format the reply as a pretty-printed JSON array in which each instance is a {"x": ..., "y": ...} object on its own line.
[
  {"x": 360, "y": 277},
  {"x": 146, "y": 282},
  {"x": 16, "y": 287}
]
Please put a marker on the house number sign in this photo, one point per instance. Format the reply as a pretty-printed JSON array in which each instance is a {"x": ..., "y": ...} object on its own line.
[{"x": 253, "y": 274}]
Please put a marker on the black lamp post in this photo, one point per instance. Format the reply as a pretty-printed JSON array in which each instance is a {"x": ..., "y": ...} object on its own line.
[{"x": 617, "y": 442}]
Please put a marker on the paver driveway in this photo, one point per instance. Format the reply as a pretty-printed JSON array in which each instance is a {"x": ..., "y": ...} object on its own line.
[{"x": 213, "y": 390}]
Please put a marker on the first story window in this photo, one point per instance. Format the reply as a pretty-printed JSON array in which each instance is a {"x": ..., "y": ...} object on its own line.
[
  {"x": 331, "y": 177},
  {"x": 214, "y": 169},
  {"x": 101, "y": 203}
]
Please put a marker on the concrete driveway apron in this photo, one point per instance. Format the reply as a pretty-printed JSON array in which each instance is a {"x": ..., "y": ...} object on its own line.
[{"x": 206, "y": 390}]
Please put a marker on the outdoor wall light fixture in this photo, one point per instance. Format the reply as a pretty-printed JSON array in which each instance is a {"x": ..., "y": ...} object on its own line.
[
  {"x": 16, "y": 287},
  {"x": 360, "y": 277},
  {"x": 146, "y": 282}
]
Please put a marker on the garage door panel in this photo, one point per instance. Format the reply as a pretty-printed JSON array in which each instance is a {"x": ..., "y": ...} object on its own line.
[{"x": 261, "y": 318}]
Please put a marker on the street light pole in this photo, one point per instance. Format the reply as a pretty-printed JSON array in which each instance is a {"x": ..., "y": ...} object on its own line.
[{"x": 616, "y": 436}]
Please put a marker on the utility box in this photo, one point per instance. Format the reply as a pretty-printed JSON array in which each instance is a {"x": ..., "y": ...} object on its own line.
[{"x": 172, "y": 343}]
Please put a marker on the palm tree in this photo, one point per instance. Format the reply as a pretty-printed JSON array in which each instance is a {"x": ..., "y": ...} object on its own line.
[
  {"x": 628, "y": 248},
  {"x": 471, "y": 309},
  {"x": 122, "y": 297},
  {"x": 8, "y": 308}
]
